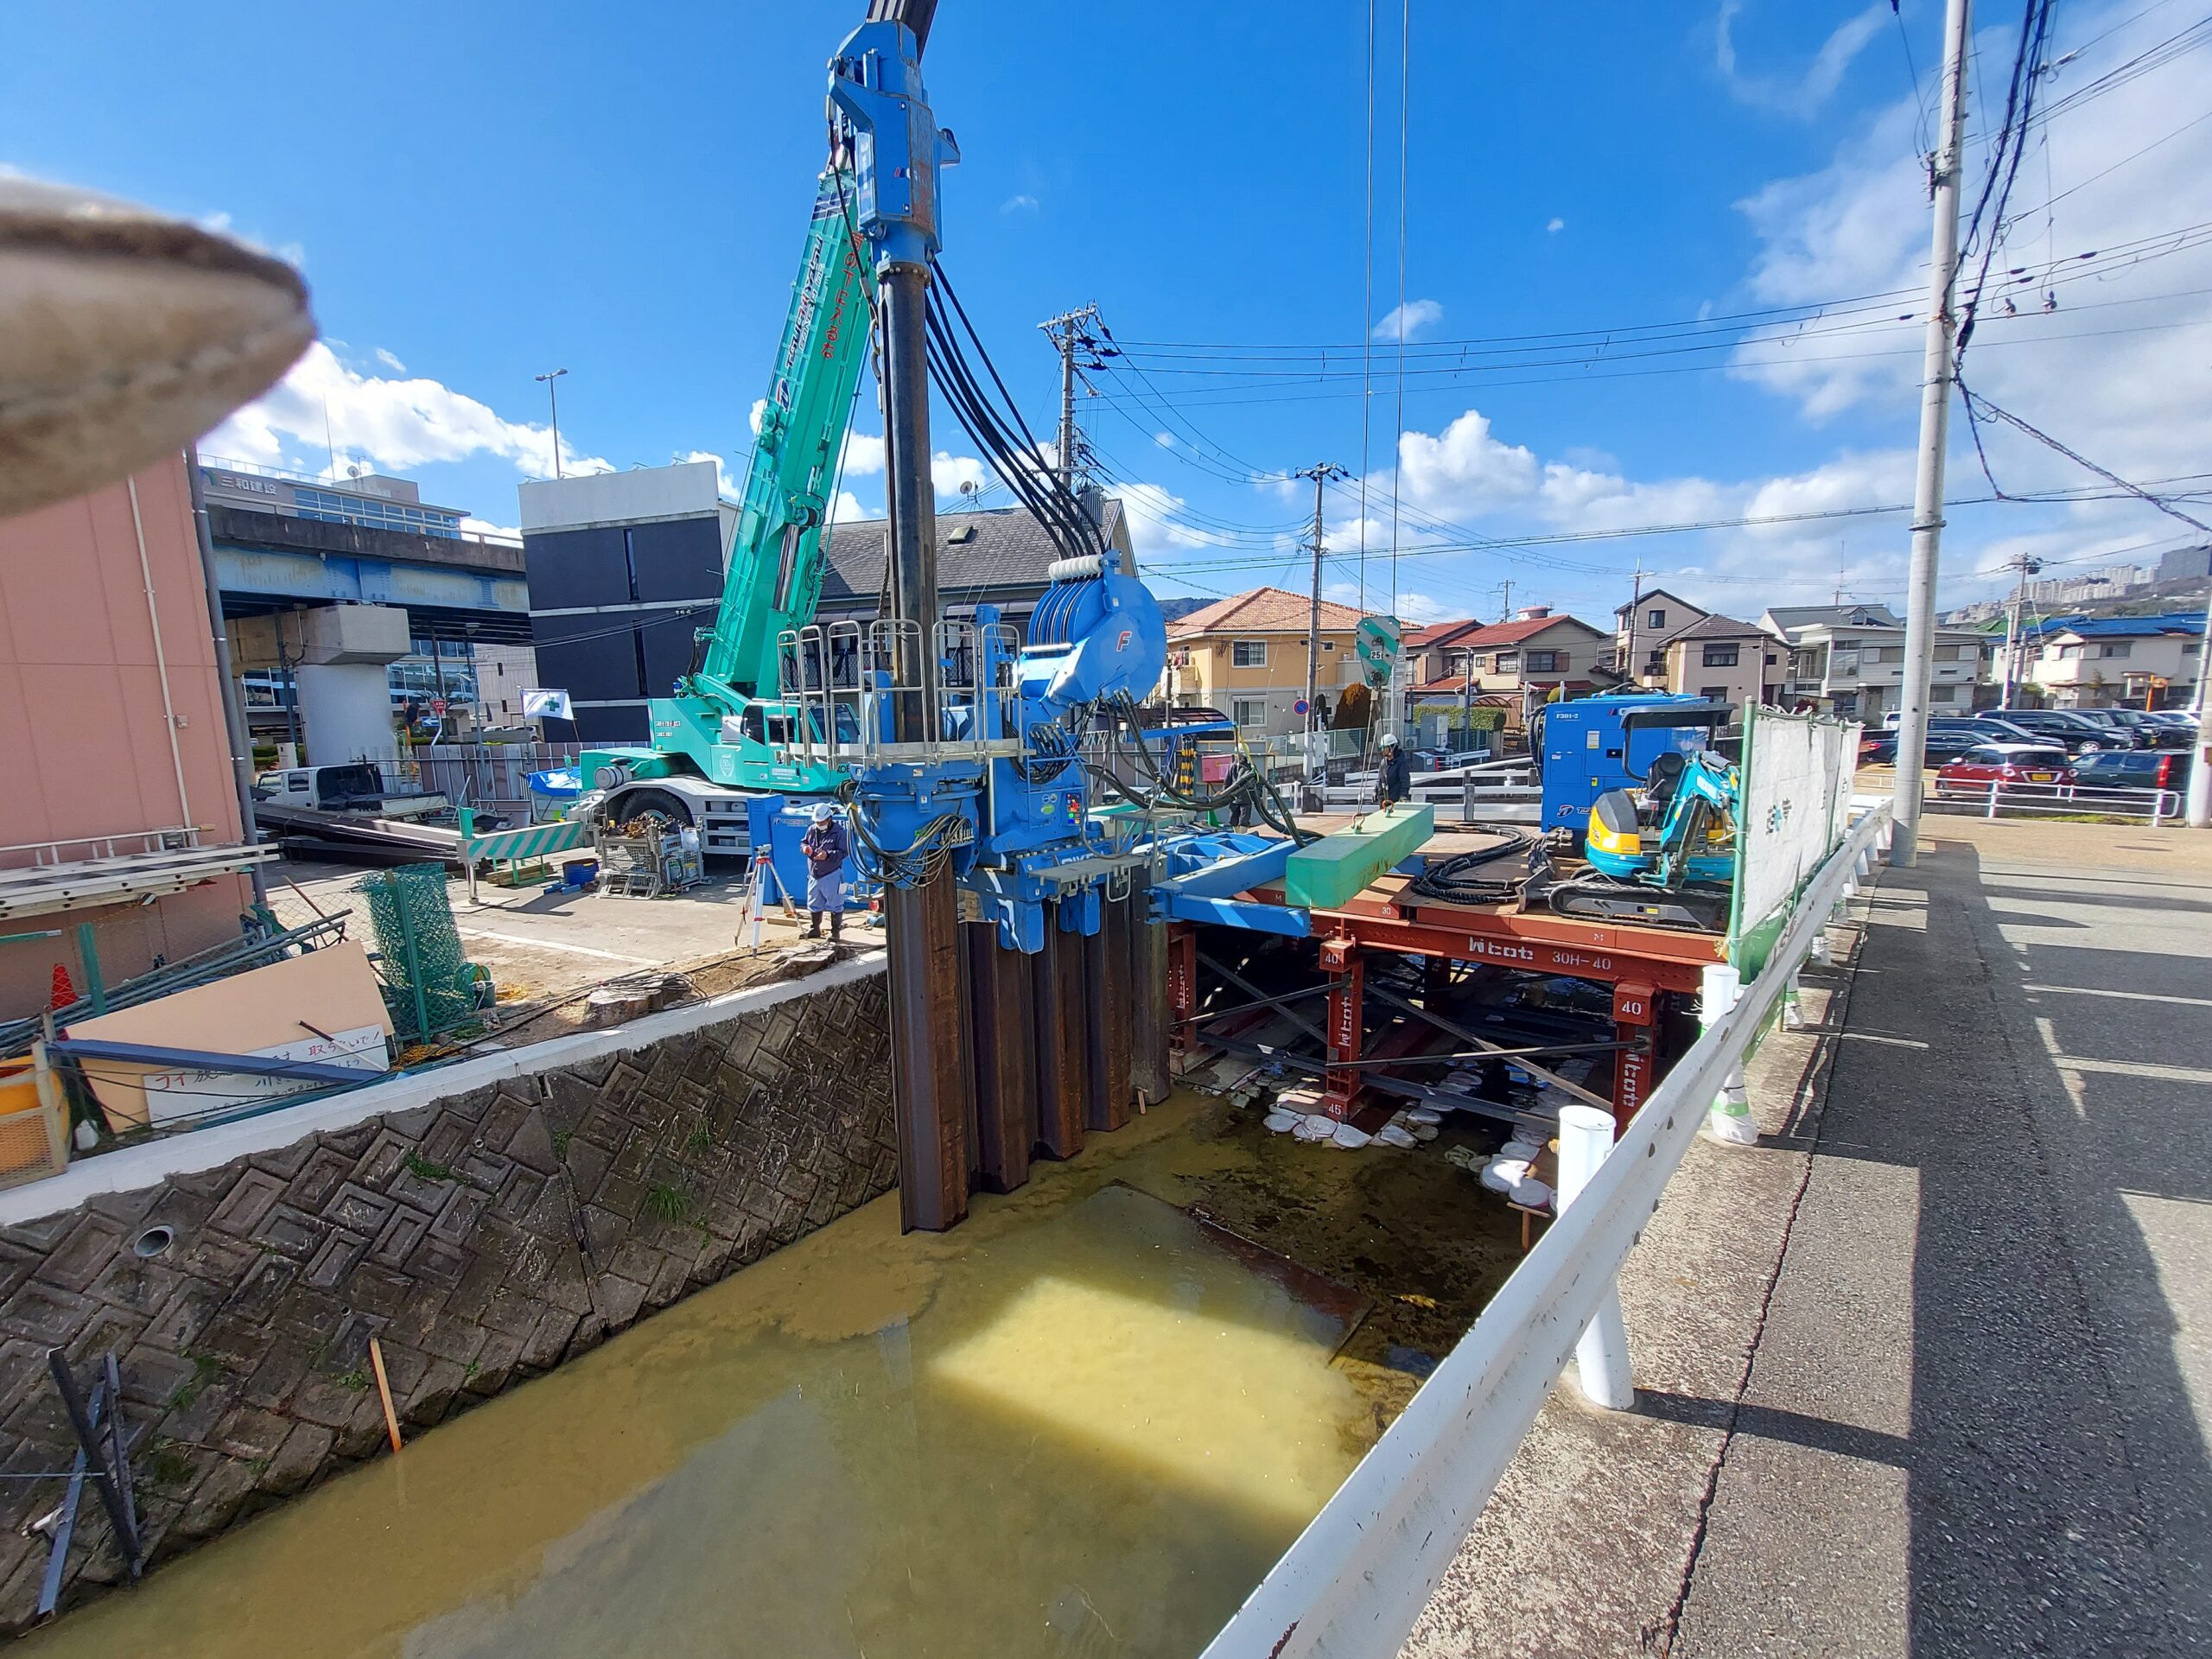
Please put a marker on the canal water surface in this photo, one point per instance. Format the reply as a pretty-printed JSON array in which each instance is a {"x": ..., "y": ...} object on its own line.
[{"x": 1080, "y": 1424}]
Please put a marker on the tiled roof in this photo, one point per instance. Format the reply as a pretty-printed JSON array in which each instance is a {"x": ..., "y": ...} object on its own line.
[
  {"x": 1719, "y": 627},
  {"x": 1513, "y": 633},
  {"x": 1264, "y": 610},
  {"x": 1438, "y": 633},
  {"x": 2117, "y": 627}
]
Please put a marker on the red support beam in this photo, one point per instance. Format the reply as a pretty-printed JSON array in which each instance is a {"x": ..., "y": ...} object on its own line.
[{"x": 1347, "y": 1011}]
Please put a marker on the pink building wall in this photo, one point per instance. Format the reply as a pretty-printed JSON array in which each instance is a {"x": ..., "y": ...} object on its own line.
[{"x": 84, "y": 740}]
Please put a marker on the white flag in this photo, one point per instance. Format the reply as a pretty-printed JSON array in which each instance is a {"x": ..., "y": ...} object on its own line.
[{"x": 539, "y": 704}]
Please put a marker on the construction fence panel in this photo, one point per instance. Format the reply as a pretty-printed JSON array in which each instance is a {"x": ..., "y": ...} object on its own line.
[
  {"x": 1794, "y": 808},
  {"x": 489, "y": 776}
]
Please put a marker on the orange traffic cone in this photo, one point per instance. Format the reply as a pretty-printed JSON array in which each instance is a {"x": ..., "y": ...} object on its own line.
[{"x": 63, "y": 993}]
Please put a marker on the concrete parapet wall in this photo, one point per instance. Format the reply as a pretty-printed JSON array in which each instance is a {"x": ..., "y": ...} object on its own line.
[{"x": 482, "y": 1235}]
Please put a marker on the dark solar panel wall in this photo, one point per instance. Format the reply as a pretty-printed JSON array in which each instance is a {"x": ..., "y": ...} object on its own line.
[{"x": 613, "y": 609}]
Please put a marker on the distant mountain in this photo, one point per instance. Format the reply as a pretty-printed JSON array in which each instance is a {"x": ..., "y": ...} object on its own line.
[{"x": 1174, "y": 610}]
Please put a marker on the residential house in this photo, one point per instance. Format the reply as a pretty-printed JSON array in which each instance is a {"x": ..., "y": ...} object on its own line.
[
  {"x": 1245, "y": 656},
  {"x": 1723, "y": 660},
  {"x": 1641, "y": 630},
  {"x": 2080, "y": 662},
  {"x": 1513, "y": 663},
  {"x": 1857, "y": 669}
]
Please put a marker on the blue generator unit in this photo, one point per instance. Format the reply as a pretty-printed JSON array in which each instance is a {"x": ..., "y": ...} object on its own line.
[{"x": 1596, "y": 744}]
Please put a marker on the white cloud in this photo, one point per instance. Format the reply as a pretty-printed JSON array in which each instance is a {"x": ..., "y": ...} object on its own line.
[
  {"x": 1420, "y": 607},
  {"x": 1165, "y": 440},
  {"x": 1155, "y": 525},
  {"x": 949, "y": 472},
  {"x": 1406, "y": 321},
  {"x": 1018, "y": 204},
  {"x": 863, "y": 456},
  {"x": 1463, "y": 468},
  {"x": 2119, "y": 371},
  {"x": 728, "y": 486},
  {"x": 472, "y": 526},
  {"x": 1556, "y": 226},
  {"x": 391, "y": 425},
  {"x": 390, "y": 361},
  {"x": 847, "y": 509},
  {"x": 759, "y": 409},
  {"x": 1805, "y": 94}
]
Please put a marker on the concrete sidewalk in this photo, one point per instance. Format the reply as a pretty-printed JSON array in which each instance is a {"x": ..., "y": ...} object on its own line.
[{"x": 1929, "y": 1370}]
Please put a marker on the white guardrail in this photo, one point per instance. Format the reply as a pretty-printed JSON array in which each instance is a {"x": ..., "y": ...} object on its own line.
[
  {"x": 1359, "y": 1575},
  {"x": 1996, "y": 798}
]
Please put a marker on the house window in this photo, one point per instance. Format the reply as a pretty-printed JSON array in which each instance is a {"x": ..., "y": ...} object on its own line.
[
  {"x": 1889, "y": 653},
  {"x": 2119, "y": 649},
  {"x": 2070, "y": 654},
  {"x": 1328, "y": 644},
  {"x": 1547, "y": 662},
  {"x": 1942, "y": 694},
  {"x": 1250, "y": 712},
  {"x": 1655, "y": 618},
  {"x": 1947, "y": 653},
  {"x": 1720, "y": 656},
  {"x": 1248, "y": 653},
  {"x": 1713, "y": 693},
  {"x": 1505, "y": 662}
]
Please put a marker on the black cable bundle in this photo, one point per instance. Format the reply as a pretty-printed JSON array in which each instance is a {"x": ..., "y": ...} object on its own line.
[{"x": 1450, "y": 882}]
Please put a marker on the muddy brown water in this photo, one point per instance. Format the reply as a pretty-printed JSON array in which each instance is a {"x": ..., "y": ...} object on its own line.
[{"x": 1080, "y": 1424}]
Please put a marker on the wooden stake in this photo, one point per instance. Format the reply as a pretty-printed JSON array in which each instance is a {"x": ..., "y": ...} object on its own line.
[{"x": 384, "y": 1393}]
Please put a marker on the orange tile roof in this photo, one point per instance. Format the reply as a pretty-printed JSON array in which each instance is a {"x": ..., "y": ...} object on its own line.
[{"x": 1263, "y": 610}]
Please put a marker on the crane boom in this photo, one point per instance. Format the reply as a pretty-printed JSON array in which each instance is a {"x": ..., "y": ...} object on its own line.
[{"x": 775, "y": 566}]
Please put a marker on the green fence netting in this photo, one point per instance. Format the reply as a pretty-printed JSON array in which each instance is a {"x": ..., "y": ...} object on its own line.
[{"x": 429, "y": 985}]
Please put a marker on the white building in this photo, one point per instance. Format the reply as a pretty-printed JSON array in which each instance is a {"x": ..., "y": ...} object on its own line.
[
  {"x": 2082, "y": 662},
  {"x": 1851, "y": 660}
]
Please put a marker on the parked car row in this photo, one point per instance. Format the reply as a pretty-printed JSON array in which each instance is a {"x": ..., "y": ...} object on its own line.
[
  {"x": 2075, "y": 731},
  {"x": 2010, "y": 766}
]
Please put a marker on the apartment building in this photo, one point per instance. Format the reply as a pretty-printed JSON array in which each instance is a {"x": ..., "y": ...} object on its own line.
[
  {"x": 1857, "y": 669},
  {"x": 1723, "y": 660},
  {"x": 1641, "y": 630}
]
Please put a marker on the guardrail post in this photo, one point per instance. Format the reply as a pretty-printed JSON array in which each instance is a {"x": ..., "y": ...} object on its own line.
[
  {"x": 1730, "y": 1118},
  {"x": 1586, "y": 1135},
  {"x": 1994, "y": 787},
  {"x": 1793, "y": 1005}
]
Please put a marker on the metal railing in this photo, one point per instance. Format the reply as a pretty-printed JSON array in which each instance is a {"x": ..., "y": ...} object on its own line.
[
  {"x": 1353, "y": 1584},
  {"x": 849, "y": 690},
  {"x": 1996, "y": 798},
  {"x": 492, "y": 777},
  {"x": 129, "y": 843}
]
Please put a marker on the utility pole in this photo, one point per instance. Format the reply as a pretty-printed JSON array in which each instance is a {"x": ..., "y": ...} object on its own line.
[
  {"x": 1067, "y": 333},
  {"x": 1505, "y": 589},
  {"x": 2197, "y": 812},
  {"x": 1321, "y": 473},
  {"x": 2027, "y": 567},
  {"x": 1935, "y": 430},
  {"x": 1628, "y": 652},
  {"x": 553, "y": 397}
]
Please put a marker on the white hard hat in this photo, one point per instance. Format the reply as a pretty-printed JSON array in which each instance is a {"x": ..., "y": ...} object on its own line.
[
  {"x": 1389, "y": 739},
  {"x": 823, "y": 811}
]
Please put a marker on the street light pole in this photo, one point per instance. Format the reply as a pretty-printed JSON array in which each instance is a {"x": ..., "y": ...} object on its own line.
[
  {"x": 553, "y": 397},
  {"x": 1321, "y": 473},
  {"x": 2197, "y": 811}
]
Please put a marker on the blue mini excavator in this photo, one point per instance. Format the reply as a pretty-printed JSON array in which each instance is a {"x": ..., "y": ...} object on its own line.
[{"x": 1663, "y": 854}]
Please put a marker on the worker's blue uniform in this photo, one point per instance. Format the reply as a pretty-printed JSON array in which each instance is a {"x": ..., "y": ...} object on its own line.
[
  {"x": 1391, "y": 780},
  {"x": 825, "y": 847}
]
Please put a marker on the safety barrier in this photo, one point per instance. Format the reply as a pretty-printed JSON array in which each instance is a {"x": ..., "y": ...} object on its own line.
[
  {"x": 1357, "y": 1578},
  {"x": 524, "y": 845},
  {"x": 1996, "y": 798}
]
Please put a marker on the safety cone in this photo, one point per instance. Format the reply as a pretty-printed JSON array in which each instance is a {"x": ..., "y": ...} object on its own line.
[{"x": 63, "y": 993}]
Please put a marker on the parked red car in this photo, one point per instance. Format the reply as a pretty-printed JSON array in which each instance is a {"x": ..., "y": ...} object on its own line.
[{"x": 2008, "y": 766}]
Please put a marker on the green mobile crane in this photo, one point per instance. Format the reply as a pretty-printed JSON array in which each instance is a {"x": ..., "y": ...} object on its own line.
[{"x": 714, "y": 741}]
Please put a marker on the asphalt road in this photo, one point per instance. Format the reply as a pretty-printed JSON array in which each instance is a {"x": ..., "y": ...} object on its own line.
[{"x": 1928, "y": 1372}]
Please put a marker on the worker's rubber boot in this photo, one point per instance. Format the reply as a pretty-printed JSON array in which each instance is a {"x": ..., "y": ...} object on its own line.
[
  {"x": 813, "y": 924},
  {"x": 836, "y": 926}
]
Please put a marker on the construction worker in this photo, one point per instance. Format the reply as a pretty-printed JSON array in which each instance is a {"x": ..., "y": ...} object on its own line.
[
  {"x": 1391, "y": 785},
  {"x": 825, "y": 846}
]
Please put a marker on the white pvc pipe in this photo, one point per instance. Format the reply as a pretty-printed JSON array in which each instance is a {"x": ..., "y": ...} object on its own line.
[
  {"x": 1601, "y": 1364},
  {"x": 160, "y": 660}
]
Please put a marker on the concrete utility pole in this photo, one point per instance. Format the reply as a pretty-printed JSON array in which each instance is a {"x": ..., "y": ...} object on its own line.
[
  {"x": 1934, "y": 433},
  {"x": 2027, "y": 567},
  {"x": 2198, "y": 813},
  {"x": 1505, "y": 591},
  {"x": 553, "y": 397},
  {"x": 1065, "y": 332},
  {"x": 1628, "y": 652},
  {"x": 1316, "y": 763}
]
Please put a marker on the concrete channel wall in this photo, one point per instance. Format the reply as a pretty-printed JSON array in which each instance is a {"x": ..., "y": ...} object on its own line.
[{"x": 485, "y": 1222}]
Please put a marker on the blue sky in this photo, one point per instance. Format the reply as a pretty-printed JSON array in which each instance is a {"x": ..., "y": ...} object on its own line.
[{"x": 480, "y": 194}]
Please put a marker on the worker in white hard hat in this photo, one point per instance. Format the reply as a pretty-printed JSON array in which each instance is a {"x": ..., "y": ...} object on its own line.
[
  {"x": 826, "y": 847},
  {"x": 1390, "y": 778}
]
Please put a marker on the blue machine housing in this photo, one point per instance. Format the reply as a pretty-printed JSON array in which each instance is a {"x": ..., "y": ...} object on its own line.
[{"x": 1593, "y": 745}]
